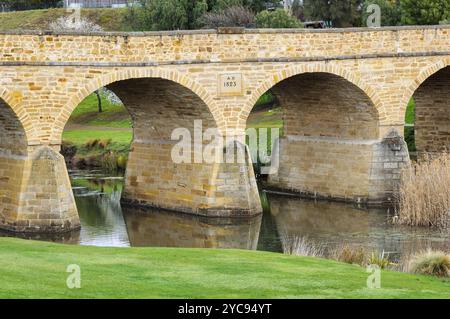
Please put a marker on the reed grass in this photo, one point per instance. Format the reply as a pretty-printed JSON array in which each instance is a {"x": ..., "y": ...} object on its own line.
[
  {"x": 300, "y": 246},
  {"x": 423, "y": 196}
]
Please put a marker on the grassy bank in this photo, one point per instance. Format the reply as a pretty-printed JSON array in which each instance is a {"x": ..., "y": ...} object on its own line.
[
  {"x": 98, "y": 139},
  {"x": 38, "y": 270},
  {"x": 108, "y": 19}
]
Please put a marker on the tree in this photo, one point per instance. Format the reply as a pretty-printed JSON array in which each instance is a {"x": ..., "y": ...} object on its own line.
[
  {"x": 236, "y": 16},
  {"x": 254, "y": 5},
  {"x": 166, "y": 15},
  {"x": 342, "y": 13},
  {"x": 279, "y": 18},
  {"x": 390, "y": 12},
  {"x": 298, "y": 10},
  {"x": 424, "y": 12}
]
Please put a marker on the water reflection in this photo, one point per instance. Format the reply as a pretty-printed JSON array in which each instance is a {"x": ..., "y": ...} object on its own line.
[
  {"x": 98, "y": 201},
  {"x": 151, "y": 227},
  {"x": 104, "y": 222},
  {"x": 63, "y": 238},
  {"x": 332, "y": 224}
]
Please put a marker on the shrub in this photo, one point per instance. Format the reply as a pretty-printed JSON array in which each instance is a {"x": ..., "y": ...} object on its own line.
[
  {"x": 423, "y": 196},
  {"x": 236, "y": 16},
  {"x": 379, "y": 259},
  {"x": 68, "y": 150},
  {"x": 279, "y": 18},
  {"x": 435, "y": 263},
  {"x": 122, "y": 162},
  {"x": 300, "y": 246},
  {"x": 109, "y": 161},
  {"x": 91, "y": 143},
  {"x": 350, "y": 255},
  {"x": 104, "y": 143}
]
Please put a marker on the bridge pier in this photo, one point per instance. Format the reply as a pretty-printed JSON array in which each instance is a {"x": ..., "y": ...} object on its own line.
[
  {"x": 36, "y": 193},
  {"x": 165, "y": 116},
  {"x": 364, "y": 171},
  {"x": 215, "y": 190}
]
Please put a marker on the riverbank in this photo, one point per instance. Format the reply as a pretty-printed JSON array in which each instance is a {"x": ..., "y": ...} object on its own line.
[{"x": 31, "y": 269}]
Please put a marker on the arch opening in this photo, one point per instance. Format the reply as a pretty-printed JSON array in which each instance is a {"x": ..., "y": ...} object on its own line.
[
  {"x": 330, "y": 145},
  {"x": 168, "y": 125},
  {"x": 13, "y": 154},
  {"x": 428, "y": 117}
]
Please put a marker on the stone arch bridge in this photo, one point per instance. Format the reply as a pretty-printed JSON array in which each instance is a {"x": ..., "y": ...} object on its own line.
[{"x": 343, "y": 94}]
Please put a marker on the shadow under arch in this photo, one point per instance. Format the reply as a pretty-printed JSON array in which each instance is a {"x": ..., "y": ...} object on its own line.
[
  {"x": 423, "y": 75},
  {"x": 297, "y": 70},
  {"x": 431, "y": 94},
  {"x": 13, "y": 160},
  {"x": 115, "y": 76},
  {"x": 13, "y": 101},
  {"x": 331, "y": 146}
]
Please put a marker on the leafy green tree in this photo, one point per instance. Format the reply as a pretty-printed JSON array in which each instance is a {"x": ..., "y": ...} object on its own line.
[
  {"x": 278, "y": 18},
  {"x": 342, "y": 13},
  {"x": 390, "y": 12},
  {"x": 166, "y": 15},
  {"x": 219, "y": 5},
  {"x": 297, "y": 10},
  {"x": 424, "y": 12},
  {"x": 254, "y": 5}
]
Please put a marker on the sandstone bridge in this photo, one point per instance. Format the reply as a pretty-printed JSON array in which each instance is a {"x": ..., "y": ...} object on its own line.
[{"x": 343, "y": 94}]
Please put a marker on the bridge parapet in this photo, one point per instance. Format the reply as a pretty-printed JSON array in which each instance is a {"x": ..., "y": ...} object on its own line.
[{"x": 211, "y": 46}]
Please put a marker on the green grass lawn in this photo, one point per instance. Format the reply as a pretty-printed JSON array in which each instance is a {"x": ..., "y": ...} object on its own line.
[
  {"x": 87, "y": 114},
  {"x": 87, "y": 124},
  {"x": 31, "y": 269},
  {"x": 410, "y": 112},
  {"x": 79, "y": 137}
]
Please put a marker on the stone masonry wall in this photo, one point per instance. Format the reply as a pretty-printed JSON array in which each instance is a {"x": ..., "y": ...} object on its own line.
[
  {"x": 330, "y": 127},
  {"x": 44, "y": 76},
  {"x": 432, "y": 123},
  {"x": 158, "y": 107}
]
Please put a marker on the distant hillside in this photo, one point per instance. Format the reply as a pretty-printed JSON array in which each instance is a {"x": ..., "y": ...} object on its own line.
[{"x": 108, "y": 19}]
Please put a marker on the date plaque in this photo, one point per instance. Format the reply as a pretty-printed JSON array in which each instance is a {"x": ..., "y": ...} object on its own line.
[{"x": 230, "y": 84}]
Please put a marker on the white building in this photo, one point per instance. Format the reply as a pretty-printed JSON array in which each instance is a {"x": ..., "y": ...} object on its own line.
[{"x": 96, "y": 3}]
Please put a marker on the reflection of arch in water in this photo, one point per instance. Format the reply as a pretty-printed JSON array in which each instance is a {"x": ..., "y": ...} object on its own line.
[
  {"x": 156, "y": 228},
  {"x": 335, "y": 224},
  {"x": 72, "y": 237}
]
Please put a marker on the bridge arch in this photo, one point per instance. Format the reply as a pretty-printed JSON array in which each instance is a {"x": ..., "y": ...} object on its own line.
[
  {"x": 430, "y": 91},
  {"x": 109, "y": 78},
  {"x": 331, "y": 145},
  {"x": 13, "y": 158},
  {"x": 13, "y": 100},
  {"x": 422, "y": 76},
  {"x": 163, "y": 103},
  {"x": 305, "y": 68}
]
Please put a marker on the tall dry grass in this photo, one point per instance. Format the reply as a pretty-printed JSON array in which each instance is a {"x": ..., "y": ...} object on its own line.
[
  {"x": 300, "y": 246},
  {"x": 430, "y": 262},
  {"x": 423, "y": 196}
]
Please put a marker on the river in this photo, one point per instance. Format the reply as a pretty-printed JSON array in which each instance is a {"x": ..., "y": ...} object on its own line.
[{"x": 105, "y": 222}]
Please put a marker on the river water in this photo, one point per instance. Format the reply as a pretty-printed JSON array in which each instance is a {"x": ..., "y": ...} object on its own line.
[{"x": 105, "y": 222}]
